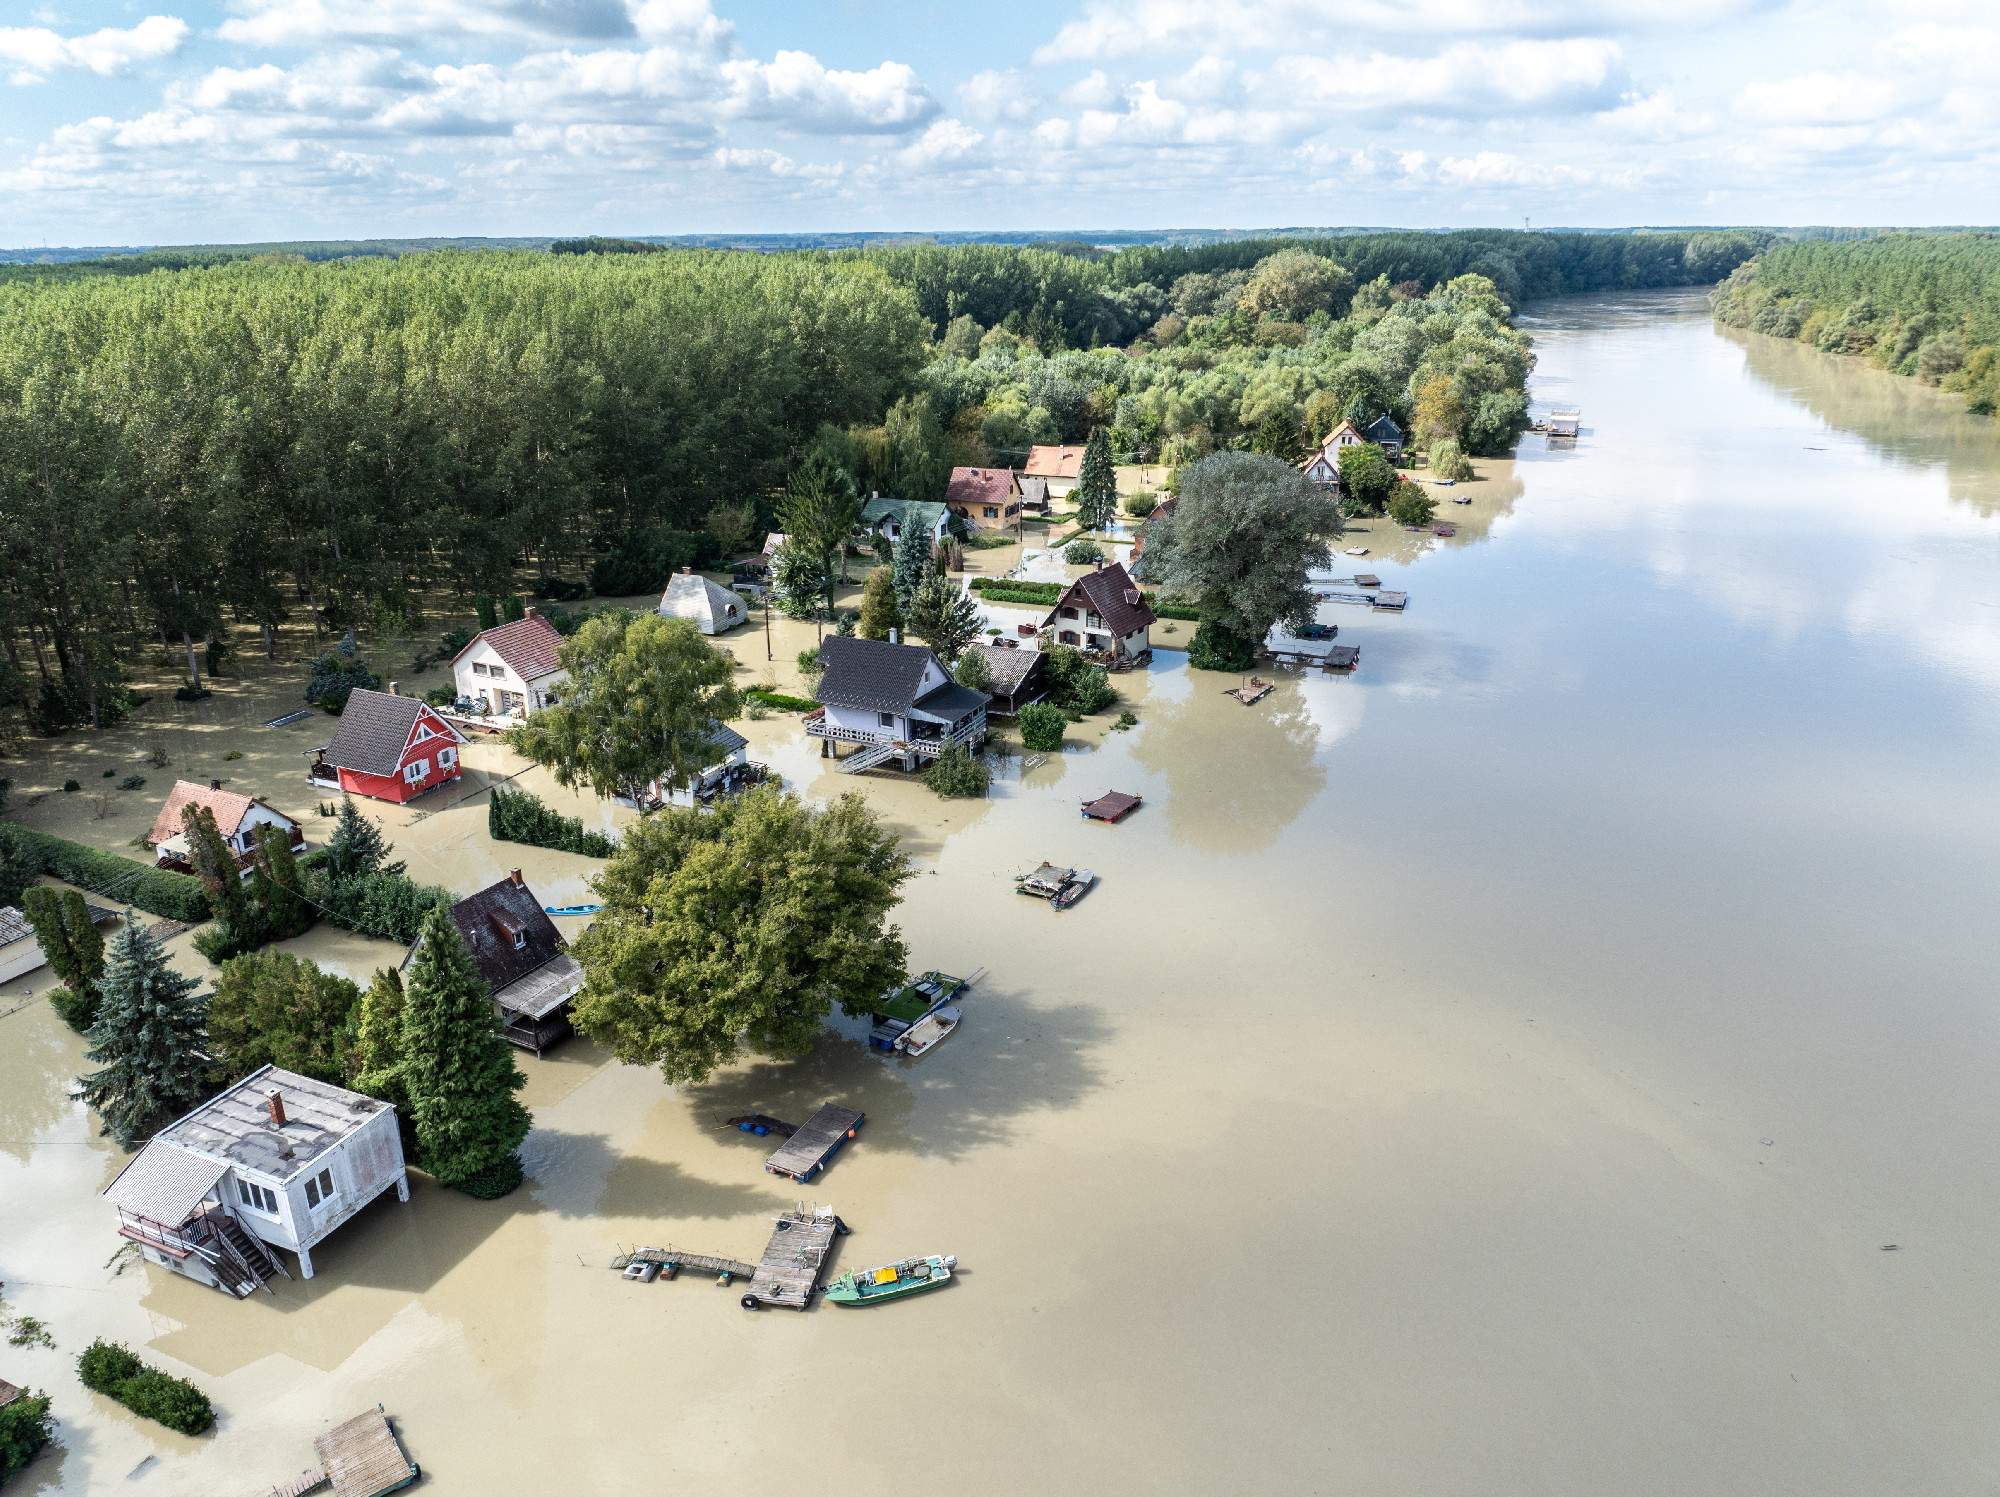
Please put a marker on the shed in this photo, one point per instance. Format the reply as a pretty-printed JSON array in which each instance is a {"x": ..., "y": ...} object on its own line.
[
  {"x": 1020, "y": 677},
  {"x": 20, "y": 950},
  {"x": 713, "y": 608}
]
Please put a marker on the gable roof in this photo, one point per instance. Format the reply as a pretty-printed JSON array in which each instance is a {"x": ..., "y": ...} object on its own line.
[
  {"x": 878, "y": 509},
  {"x": 692, "y": 596},
  {"x": 1034, "y": 487},
  {"x": 229, "y": 807},
  {"x": 1056, "y": 462},
  {"x": 1009, "y": 668},
  {"x": 528, "y": 646},
  {"x": 980, "y": 486},
  {"x": 1328, "y": 442},
  {"x": 375, "y": 729},
  {"x": 487, "y": 922},
  {"x": 872, "y": 675},
  {"x": 725, "y": 738},
  {"x": 1384, "y": 429},
  {"x": 1112, "y": 596},
  {"x": 164, "y": 1183}
]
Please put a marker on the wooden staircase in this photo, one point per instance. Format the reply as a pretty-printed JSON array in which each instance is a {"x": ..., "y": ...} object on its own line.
[{"x": 869, "y": 757}]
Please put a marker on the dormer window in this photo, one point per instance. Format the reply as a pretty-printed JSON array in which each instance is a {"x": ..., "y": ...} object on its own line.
[{"x": 520, "y": 940}]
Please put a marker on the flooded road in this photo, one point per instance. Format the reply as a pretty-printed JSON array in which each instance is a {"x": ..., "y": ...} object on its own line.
[{"x": 1501, "y": 1071}]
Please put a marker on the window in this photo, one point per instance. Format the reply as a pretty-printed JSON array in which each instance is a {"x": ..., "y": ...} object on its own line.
[
  {"x": 447, "y": 757},
  {"x": 1097, "y": 642},
  {"x": 1093, "y": 621},
  {"x": 992, "y": 513},
  {"x": 521, "y": 940},
  {"x": 256, "y": 1197},
  {"x": 424, "y": 732},
  {"x": 415, "y": 770},
  {"x": 478, "y": 669},
  {"x": 886, "y": 719},
  {"x": 319, "y": 1189},
  {"x": 1068, "y": 636},
  {"x": 1069, "y": 613}
]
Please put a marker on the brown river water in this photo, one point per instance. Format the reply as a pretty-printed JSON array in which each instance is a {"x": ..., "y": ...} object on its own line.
[{"x": 1502, "y": 1071}]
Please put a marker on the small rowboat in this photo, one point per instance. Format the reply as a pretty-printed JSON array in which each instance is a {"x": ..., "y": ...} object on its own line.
[
  {"x": 923, "y": 1036},
  {"x": 871, "y": 1286}
]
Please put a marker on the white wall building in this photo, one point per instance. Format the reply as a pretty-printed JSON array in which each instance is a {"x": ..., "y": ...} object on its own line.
[
  {"x": 511, "y": 671},
  {"x": 713, "y": 608}
]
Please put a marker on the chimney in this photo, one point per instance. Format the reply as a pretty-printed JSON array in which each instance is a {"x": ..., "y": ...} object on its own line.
[
  {"x": 394, "y": 689},
  {"x": 687, "y": 571},
  {"x": 276, "y": 1103},
  {"x": 215, "y": 784},
  {"x": 893, "y": 633},
  {"x": 528, "y": 612},
  {"x": 514, "y": 877}
]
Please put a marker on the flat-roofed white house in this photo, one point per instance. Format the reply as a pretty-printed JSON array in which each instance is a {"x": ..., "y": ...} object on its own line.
[
  {"x": 713, "y": 608},
  {"x": 237, "y": 817},
  {"x": 510, "y": 671},
  {"x": 895, "y": 701},
  {"x": 278, "y": 1161}
]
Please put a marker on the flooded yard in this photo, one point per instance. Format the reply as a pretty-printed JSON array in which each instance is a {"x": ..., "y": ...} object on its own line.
[{"x": 1502, "y": 1070}]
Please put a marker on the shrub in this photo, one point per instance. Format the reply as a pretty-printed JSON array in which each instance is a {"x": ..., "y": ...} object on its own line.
[
  {"x": 780, "y": 701},
  {"x": 496, "y": 1180},
  {"x": 1077, "y": 686},
  {"x": 561, "y": 589},
  {"x": 997, "y": 589},
  {"x": 384, "y": 904},
  {"x": 809, "y": 661},
  {"x": 972, "y": 671},
  {"x": 146, "y": 1391},
  {"x": 187, "y": 691},
  {"x": 1042, "y": 727},
  {"x": 334, "y": 679},
  {"x": 70, "y": 786},
  {"x": 520, "y": 816},
  {"x": 452, "y": 641},
  {"x": 133, "y": 782},
  {"x": 25, "y": 1427},
  {"x": 955, "y": 772},
  {"x": 109, "y": 773},
  {"x": 441, "y": 696},
  {"x": 1448, "y": 462},
  {"x": 1412, "y": 506},
  {"x": 1216, "y": 647},
  {"x": 1138, "y": 506},
  {"x": 175, "y": 896},
  {"x": 75, "y": 1007},
  {"x": 1127, "y": 719},
  {"x": 231, "y": 757},
  {"x": 1179, "y": 611},
  {"x": 1082, "y": 553}
]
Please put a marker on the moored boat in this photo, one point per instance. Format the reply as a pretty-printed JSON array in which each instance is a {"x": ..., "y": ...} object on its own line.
[
  {"x": 1045, "y": 882},
  {"x": 1079, "y": 885},
  {"x": 871, "y": 1286},
  {"x": 927, "y": 1031}
]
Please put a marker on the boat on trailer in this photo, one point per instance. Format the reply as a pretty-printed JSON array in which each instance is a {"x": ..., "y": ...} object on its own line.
[{"x": 874, "y": 1286}]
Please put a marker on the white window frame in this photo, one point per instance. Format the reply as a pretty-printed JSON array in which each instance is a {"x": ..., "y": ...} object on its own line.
[
  {"x": 416, "y": 770},
  {"x": 447, "y": 756},
  {"x": 320, "y": 1191},
  {"x": 257, "y": 1197}
]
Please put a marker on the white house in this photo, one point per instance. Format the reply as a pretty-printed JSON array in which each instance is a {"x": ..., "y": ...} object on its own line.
[
  {"x": 511, "y": 670},
  {"x": 237, "y": 817},
  {"x": 713, "y": 607},
  {"x": 279, "y": 1160},
  {"x": 896, "y": 701},
  {"x": 1061, "y": 468},
  {"x": 889, "y": 515},
  {"x": 1104, "y": 614}
]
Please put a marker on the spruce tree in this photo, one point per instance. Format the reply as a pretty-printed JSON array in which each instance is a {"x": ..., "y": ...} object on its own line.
[
  {"x": 459, "y": 1073},
  {"x": 943, "y": 617},
  {"x": 1096, "y": 484},
  {"x": 74, "y": 947},
  {"x": 151, "y": 1038},
  {"x": 913, "y": 558},
  {"x": 879, "y": 613},
  {"x": 356, "y": 845}
]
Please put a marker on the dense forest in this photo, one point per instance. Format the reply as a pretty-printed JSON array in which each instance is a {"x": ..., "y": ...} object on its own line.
[
  {"x": 199, "y": 442},
  {"x": 1927, "y": 306}
]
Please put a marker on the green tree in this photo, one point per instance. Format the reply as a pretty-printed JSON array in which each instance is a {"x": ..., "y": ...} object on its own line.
[
  {"x": 74, "y": 947},
  {"x": 1042, "y": 725},
  {"x": 272, "y": 1008},
  {"x": 1278, "y": 436},
  {"x": 1097, "y": 484},
  {"x": 1448, "y": 462},
  {"x": 150, "y": 1038},
  {"x": 1322, "y": 414},
  {"x": 1368, "y": 476},
  {"x": 356, "y": 845},
  {"x": 1411, "y": 505},
  {"x": 1294, "y": 284},
  {"x": 918, "y": 466},
  {"x": 20, "y": 865},
  {"x": 459, "y": 1073},
  {"x": 972, "y": 672},
  {"x": 280, "y": 886},
  {"x": 742, "y": 926},
  {"x": 913, "y": 558},
  {"x": 961, "y": 339},
  {"x": 943, "y": 617},
  {"x": 644, "y": 696},
  {"x": 956, "y": 773},
  {"x": 879, "y": 613},
  {"x": 214, "y": 864},
  {"x": 1242, "y": 541},
  {"x": 801, "y": 579},
  {"x": 25, "y": 1427},
  {"x": 820, "y": 511},
  {"x": 374, "y": 1064}
]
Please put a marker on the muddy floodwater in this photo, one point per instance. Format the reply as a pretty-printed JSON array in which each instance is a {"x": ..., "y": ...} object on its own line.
[{"x": 1559, "y": 1058}]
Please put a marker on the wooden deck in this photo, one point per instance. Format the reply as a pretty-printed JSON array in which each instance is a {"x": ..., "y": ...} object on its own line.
[
  {"x": 801, "y": 1242},
  {"x": 807, "y": 1151},
  {"x": 673, "y": 1259},
  {"x": 362, "y": 1457},
  {"x": 298, "y": 1486}
]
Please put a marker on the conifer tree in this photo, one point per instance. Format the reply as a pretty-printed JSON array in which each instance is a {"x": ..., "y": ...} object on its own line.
[
  {"x": 879, "y": 613},
  {"x": 460, "y": 1074},
  {"x": 356, "y": 845},
  {"x": 74, "y": 947},
  {"x": 1096, "y": 484},
  {"x": 913, "y": 558},
  {"x": 943, "y": 617},
  {"x": 151, "y": 1038},
  {"x": 279, "y": 886},
  {"x": 214, "y": 863},
  {"x": 375, "y": 1064}
]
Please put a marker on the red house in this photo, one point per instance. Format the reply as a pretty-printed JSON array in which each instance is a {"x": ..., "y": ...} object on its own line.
[{"x": 388, "y": 746}]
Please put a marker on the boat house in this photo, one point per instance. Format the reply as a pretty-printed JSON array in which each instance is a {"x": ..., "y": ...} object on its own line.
[
  {"x": 278, "y": 1161},
  {"x": 237, "y": 818},
  {"x": 511, "y": 672},
  {"x": 388, "y": 746},
  {"x": 1104, "y": 614},
  {"x": 521, "y": 954},
  {"x": 895, "y": 701}
]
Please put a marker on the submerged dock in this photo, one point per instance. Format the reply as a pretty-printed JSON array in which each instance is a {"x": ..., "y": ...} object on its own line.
[
  {"x": 801, "y": 1241},
  {"x": 672, "y": 1260},
  {"x": 807, "y": 1151}
]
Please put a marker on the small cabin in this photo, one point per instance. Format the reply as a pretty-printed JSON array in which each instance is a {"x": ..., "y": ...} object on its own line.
[
  {"x": 889, "y": 516},
  {"x": 1104, "y": 614},
  {"x": 510, "y": 672},
  {"x": 278, "y": 1161},
  {"x": 523, "y": 958},
  {"x": 733, "y": 771},
  {"x": 237, "y": 818},
  {"x": 388, "y": 747},
  {"x": 896, "y": 700},
  {"x": 1020, "y": 677}
]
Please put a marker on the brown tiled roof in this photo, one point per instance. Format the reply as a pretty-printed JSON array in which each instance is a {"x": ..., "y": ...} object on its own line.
[
  {"x": 1113, "y": 596},
  {"x": 528, "y": 645},
  {"x": 229, "y": 808},
  {"x": 487, "y": 922},
  {"x": 374, "y": 730},
  {"x": 979, "y": 486},
  {"x": 1055, "y": 462}
]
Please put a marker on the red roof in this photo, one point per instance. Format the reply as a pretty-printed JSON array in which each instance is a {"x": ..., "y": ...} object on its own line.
[
  {"x": 528, "y": 645},
  {"x": 1112, "y": 596},
  {"x": 229, "y": 808},
  {"x": 980, "y": 486},
  {"x": 1055, "y": 462}
]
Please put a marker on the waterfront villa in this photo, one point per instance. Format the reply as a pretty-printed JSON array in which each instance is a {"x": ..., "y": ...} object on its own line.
[
  {"x": 985, "y": 498},
  {"x": 522, "y": 957},
  {"x": 1104, "y": 614},
  {"x": 1382, "y": 431},
  {"x": 278, "y": 1161},
  {"x": 237, "y": 817},
  {"x": 389, "y": 747},
  {"x": 511, "y": 671},
  {"x": 713, "y": 608},
  {"x": 895, "y": 701}
]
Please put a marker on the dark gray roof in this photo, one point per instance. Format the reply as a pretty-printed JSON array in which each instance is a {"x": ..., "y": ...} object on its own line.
[
  {"x": 952, "y": 702},
  {"x": 1384, "y": 429},
  {"x": 925, "y": 514},
  {"x": 373, "y": 729},
  {"x": 236, "y": 1126},
  {"x": 872, "y": 675},
  {"x": 1112, "y": 596},
  {"x": 726, "y": 738},
  {"x": 488, "y": 920},
  {"x": 1009, "y": 667}
]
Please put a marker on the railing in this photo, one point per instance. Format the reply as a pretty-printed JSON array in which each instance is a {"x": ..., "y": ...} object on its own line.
[
  {"x": 147, "y": 1232},
  {"x": 927, "y": 747}
]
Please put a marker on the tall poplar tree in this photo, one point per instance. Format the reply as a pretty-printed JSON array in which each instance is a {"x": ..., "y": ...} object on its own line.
[
  {"x": 151, "y": 1038},
  {"x": 1096, "y": 484},
  {"x": 913, "y": 558},
  {"x": 74, "y": 947},
  {"x": 459, "y": 1073}
]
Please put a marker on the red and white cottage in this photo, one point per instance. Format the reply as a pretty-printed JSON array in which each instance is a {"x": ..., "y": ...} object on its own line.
[{"x": 388, "y": 746}]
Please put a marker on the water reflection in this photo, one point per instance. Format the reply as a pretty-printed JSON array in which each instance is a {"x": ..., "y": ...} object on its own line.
[
  {"x": 1236, "y": 776},
  {"x": 42, "y": 1056}
]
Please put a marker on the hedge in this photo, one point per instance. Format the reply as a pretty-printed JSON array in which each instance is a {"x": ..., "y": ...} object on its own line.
[
  {"x": 1175, "y": 611},
  {"x": 176, "y": 896},
  {"x": 25, "y": 1427},
  {"x": 1013, "y": 590},
  {"x": 520, "y": 816},
  {"x": 782, "y": 702},
  {"x": 146, "y": 1391}
]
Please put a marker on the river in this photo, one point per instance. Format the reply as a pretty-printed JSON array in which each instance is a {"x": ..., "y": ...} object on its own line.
[{"x": 1559, "y": 1058}]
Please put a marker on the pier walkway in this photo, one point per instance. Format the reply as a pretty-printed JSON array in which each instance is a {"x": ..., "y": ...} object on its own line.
[{"x": 807, "y": 1151}]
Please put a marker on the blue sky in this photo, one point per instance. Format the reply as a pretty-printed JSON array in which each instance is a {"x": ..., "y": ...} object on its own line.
[{"x": 156, "y": 121}]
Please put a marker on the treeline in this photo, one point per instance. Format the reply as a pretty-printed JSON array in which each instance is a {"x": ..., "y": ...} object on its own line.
[
  {"x": 1927, "y": 306},
  {"x": 255, "y": 442}
]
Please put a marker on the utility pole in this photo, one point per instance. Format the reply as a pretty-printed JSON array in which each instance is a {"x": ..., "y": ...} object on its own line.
[{"x": 767, "y": 628}]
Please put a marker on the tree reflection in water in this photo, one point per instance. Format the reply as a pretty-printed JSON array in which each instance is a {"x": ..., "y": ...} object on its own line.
[{"x": 1236, "y": 776}]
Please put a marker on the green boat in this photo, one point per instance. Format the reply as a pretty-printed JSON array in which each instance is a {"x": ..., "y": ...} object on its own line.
[{"x": 871, "y": 1286}]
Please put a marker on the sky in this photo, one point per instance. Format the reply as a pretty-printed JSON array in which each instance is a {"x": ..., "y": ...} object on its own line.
[{"x": 218, "y": 121}]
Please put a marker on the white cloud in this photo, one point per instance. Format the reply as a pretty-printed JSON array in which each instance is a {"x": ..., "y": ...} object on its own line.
[
  {"x": 1654, "y": 116},
  {"x": 1817, "y": 99},
  {"x": 996, "y": 95},
  {"x": 1466, "y": 79},
  {"x": 312, "y": 23},
  {"x": 38, "y": 51},
  {"x": 796, "y": 91}
]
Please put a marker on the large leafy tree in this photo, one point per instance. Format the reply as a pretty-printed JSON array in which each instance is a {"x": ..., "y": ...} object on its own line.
[
  {"x": 1241, "y": 543},
  {"x": 943, "y": 617},
  {"x": 272, "y": 1008},
  {"x": 150, "y": 1040},
  {"x": 1368, "y": 476},
  {"x": 457, "y": 1071},
  {"x": 644, "y": 696},
  {"x": 744, "y": 926},
  {"x": 820, "y": 511},
  {"x": 1097, "y": 484}
]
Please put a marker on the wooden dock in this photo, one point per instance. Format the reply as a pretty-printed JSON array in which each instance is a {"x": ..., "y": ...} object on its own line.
[
  {"x": 807, "y": 1151},
  {"x": 673, "y": 1259},
  {"x": 362, "y": 1458},
  {"x": 1324, "y": 656},
  {"x": 800, "y": 1244}
]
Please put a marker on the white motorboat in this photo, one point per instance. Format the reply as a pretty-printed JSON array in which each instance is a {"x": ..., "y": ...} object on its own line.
[{"x": 923, "y": 1035}]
